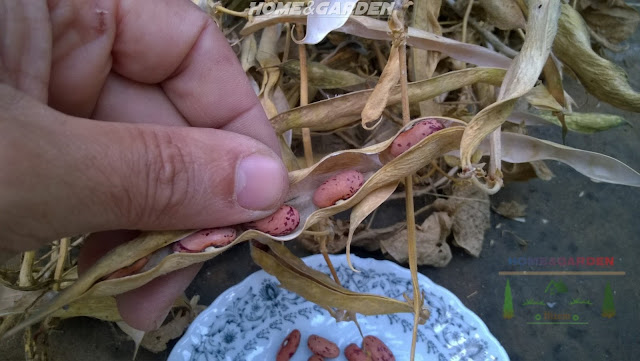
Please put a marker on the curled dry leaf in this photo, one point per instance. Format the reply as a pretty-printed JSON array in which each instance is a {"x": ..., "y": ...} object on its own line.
[
  {"x": 520, "y": 78},
  {"x": 378, "y": 99},
  {"x": 431, "y": 242},
  {"x": 602, "y": 78}
]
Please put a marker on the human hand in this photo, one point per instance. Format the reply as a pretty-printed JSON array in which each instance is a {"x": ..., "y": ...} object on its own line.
[{"x": 126, "y": 63}]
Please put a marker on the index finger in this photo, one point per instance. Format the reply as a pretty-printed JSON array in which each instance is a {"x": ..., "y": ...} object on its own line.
[{"x": 177, "y": 45}]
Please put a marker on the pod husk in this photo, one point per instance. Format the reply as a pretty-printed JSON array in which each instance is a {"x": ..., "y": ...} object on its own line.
[{"x": 302, "y": 185}]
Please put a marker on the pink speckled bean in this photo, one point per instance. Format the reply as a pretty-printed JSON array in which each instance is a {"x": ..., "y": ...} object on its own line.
[
  {"x": 341, "y": 186},
  {"x": 289, "y": 346},
  {"x": 322, "y": 347},
  {"x": 410, "y": 137},
  {"x": 376, "y": 349},
  {"x": 316, "y": 358},
  {"x": 129, "y": 270},
  {"x": 210, "y": 237},
  {"x": 284, "y": 221},
  {"x": 354, "y": 353}
]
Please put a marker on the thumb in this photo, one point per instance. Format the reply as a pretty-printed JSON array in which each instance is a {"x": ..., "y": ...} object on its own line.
[{"x": 70, "y": 176}]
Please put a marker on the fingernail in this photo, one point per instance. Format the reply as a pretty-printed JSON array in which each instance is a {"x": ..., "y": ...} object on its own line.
[{"x": 260, "y": 182}]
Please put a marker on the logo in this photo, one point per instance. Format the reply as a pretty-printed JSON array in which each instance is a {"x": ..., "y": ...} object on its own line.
[{"x": 321, "y": 7}]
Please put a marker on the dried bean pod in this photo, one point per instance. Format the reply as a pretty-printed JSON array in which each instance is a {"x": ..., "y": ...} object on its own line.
[
  {"x": 289, "y": 346},
  {"x": 322, "y": 347},
  {"x": 415, "y": 134},
  {"x": 129, "y": 270},
  {"x": 210, "y": 237},
  {"x": 341, "y": 186},
  {"x": 376, "y": 349},
  {"x": 316, "y": 358},
  {"x": 284, "y": 221},
  {"x": 354, "y": 353}
]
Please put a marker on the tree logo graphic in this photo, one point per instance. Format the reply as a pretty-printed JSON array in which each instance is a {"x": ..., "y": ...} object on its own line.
[
  {"x": 608, "y": 308},
  {"x": 507, "y": 308}
]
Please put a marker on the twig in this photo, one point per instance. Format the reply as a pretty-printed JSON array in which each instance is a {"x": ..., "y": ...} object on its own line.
[
  {"x": 25, "y": 278},
  {"x": 62, "y": 256},
  {"x": 222, "y": 9},
  {"x": 465, "y": 21}
]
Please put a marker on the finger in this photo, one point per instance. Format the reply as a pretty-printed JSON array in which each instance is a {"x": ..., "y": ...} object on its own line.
[
  {"x": 171, "y": 43},
  {"x": 85, "y": 176},
  {"x": 146, "y": 307}
]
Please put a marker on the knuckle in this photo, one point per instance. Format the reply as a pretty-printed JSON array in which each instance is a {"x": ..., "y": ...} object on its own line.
[{"x": 167, "y": 178}]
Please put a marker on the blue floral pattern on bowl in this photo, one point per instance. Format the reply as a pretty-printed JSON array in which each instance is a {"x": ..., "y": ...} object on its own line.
[{"x": 249, "y": 321}]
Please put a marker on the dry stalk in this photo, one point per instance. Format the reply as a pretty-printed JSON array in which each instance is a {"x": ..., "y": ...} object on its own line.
[{"x": 398, "y": 29}]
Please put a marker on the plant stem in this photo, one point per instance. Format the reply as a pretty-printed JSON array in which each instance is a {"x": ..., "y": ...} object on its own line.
[
  {"x": 304, "y": 95},
  {"x": 411, "y": 220}
]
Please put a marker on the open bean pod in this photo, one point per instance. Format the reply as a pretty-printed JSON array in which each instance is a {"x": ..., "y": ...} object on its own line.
[{"x": 303, "y": 184}]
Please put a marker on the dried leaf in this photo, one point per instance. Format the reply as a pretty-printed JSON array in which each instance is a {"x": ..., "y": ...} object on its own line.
[
  {"x": 379, "y": 98},
  {"x": 431, "y": 242},
  {"x": 370, "y": 28},
  {"x": 469, "y": 209},
  {"x": 540, "y": 98},
  {"x": 343, "y": 110},
  {"x": 322, "y": 76},
  {"x": 321, "y": 23},
  {"x": 511, "y": 209},
  {"x": 615, "y": 21},
  {"x": 248, "y": 52},
  {"x": 267, "y": 56},
  {"x": 317, "y": 287},
  {"x": 602, "y": 78},
  {"x": 520, "y": 78},
  {"x": 504, "y": 14}
]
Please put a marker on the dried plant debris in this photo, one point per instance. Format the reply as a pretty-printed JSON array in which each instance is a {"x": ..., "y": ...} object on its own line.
[
  {"x": 468, "y": 207},
  {"x": 512, "y": 209},
  {"x": 431, "y": 241}
]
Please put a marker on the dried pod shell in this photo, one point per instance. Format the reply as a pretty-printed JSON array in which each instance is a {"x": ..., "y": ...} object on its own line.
[
  {"x": 339, "y": 187},
  {"x": 322, "y": 347},
  {"x": 201, "y": 240},
  {"x": 376, "y": 349},
  {"x": 284, "y": 221},
  {"x": 289, "y": 346}
]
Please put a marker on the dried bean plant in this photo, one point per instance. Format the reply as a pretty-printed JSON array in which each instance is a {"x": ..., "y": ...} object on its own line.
[{"x": 434, "y": 98}]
